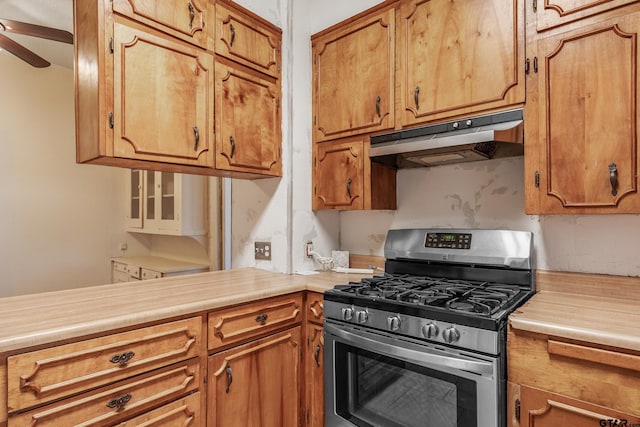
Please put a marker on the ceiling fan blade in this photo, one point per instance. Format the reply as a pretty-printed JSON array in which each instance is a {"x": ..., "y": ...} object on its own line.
[
  {"x": 22, "y": 52},
  {"x": 36, "y": 31}
]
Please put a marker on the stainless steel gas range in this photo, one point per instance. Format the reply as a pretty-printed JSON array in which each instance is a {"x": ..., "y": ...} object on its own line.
[{"x": 424, "y": 344}]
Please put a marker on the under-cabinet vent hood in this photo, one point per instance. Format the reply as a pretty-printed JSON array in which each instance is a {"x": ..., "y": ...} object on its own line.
[{"x": 464, "y": 140}]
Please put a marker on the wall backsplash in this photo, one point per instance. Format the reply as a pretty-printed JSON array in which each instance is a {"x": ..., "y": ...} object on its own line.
[{"x": 490, "y": 194}]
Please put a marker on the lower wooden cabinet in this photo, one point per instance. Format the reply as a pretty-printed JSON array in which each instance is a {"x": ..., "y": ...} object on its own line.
[
  {"x": 184, "y": 412},
  {"x": 314, "y": 376},
  {"x": 541, "y": 408},
  {"x": 256, "y": 384}
]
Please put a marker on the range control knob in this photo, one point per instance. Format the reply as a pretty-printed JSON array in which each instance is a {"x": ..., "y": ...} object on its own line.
[
  {"x": 347, "y": 313},
  {"x": 451, "y": 335},
  {"x": 362, "y": 316},
  {"x": 393, "y": 323},
  {"x": 430, "y": 330}
]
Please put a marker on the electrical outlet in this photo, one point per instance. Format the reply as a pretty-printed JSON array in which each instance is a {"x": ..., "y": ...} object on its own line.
[
  {"x": 263, "y": 251},
  {"x": 123, "y": 246},
  {"x": 308, "y": 248}
]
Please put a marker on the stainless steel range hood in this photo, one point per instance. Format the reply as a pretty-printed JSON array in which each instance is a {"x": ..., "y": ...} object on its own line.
[{"x": 464, "y": 140}]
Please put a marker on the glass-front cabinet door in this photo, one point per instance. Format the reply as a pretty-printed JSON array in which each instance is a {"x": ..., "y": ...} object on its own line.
[
  {"x": 134, "y": 187},
  {"x": 161, "y": 200}
]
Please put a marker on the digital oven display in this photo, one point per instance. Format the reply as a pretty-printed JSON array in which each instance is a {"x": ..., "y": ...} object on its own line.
[{"x": 448, "y": 240}]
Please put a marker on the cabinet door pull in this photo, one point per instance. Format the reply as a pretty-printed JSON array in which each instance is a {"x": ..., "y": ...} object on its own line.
[
  {"x": 122, "y": 359},
  {"x": 120, "y": 402},
  {"x": 196, "y": 132},
  {"x": 192, "y": 14},
  {"x": 316, "y": 355},
  {"x": 613, "y": 178},
  {"x": 233, "y": 35},
  {"x": 416, "y": 94},
  {"x": 229, "y": 377},
  {"x": 378, "y": 106},
  {"x": 349, "y": 181},
  {"x": 262, "y": 319},
  {"x": 233, "y": 146}
]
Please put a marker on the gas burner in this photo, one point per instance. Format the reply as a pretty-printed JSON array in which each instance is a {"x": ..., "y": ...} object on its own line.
[
  {"x": 470, "y": 306},
  {"x": 428, "y": 297}
]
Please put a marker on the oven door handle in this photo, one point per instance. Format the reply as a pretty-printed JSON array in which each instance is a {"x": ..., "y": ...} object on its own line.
[{"x": 423, "y": 357}]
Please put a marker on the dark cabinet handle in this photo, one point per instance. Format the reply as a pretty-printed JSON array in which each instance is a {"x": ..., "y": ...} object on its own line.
[
  {"x": 120, "y": 402},
  {"x": 262, "y": 319},
  {"x": 233, "y": 35},
  {"x": 316, "y": 355},
  {"x": 416, "y": 93},
  {"x": 349, "y": 181},
  {"x": 196, "y": 132},
  {"x": 229, "y": 377},
  {"x": 233, "y": 146},
  {"x": 192, "y": 14},
  {"x": 613, "y": 178},
  {"x": 378, "y": 106},
  {"x": 122, "y": 359}
]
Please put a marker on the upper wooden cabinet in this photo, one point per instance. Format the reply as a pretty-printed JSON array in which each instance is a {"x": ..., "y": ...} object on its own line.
[
  {"x": 185, "y": 20},
  {"x": 582, "y": 118},
  {"x": 248, "y": 40},
  {"x": 459, "y": 57},
  {"x": 354, "y": 76},
  {"x": 551, "y": 13},
  {"x": 248, "y": 121},
  {"x": 145, "y": 87}
]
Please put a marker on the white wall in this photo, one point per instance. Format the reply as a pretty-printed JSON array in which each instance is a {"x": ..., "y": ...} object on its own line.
[{"x": 60, "y": 222}]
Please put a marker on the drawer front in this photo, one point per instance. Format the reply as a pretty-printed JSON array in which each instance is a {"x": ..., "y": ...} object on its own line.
[
  {"x": 315, "y": 307},
  {"x": 118, "y": 402},
  {"x": 236, "y": 324},
  {"x": 120, "y": 266},
  {"x": 150, "y": 274},
  {"x": 44, "y": 375},
  {"x": 120, "y": 277},
  {"x": 185, "y": 412}
]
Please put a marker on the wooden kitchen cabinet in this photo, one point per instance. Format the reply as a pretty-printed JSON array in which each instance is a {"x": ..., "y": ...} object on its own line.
[
  {"x": 557, "y": 382},
  {"x": 458, "y": 58},
  {"x": 248, "y": 121},
  {"x": 581, "y": 120},
  {"x": 354, "y": 75},
  {"x": 145, "y": 92},
  {"x": 167, "y": 203},
  {"x": 314, "y": 360},
  {"x": 344, "y": 178},
  {"x": 256, "y": 384}
]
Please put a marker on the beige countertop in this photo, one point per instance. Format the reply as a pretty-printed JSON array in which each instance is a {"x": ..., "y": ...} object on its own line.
[
  {"x": 37, "y": 319},
  {"x": 596, "y": 309}
]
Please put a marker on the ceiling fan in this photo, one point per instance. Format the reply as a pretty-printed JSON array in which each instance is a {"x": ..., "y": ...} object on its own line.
[{"x": 33, "y": 30}]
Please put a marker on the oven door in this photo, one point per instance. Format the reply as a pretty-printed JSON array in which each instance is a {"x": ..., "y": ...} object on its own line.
[{"x": 376, "y": 379}]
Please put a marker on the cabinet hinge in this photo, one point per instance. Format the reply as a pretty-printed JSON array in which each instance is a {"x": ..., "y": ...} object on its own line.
[
  {"x": 308, "y": 416},
  {"x": 111, "y": 44},
  {"x": 314, "y": 120},
  {"x": 535, "y": 5},
  {"x": 308, "y": 341},
  {"x": 517, "y": 409},
  {"x": 315, "y": 191},
  {"x": 315, "y": 57},
  {"x": 278, "y": 102},
  {"x": 111, "y": 119},
  {"x": 537, "y": 179}
]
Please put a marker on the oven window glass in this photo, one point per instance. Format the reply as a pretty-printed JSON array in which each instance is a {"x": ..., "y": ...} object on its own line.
[{"x": 374, "y": 391}]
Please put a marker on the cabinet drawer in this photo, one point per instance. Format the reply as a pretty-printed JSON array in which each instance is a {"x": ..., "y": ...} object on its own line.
[
  {"x": 315, "y": 307},
  {"x": 118, "y": 402},
  {"x": 123, "y": 267},
  {"x": 149, "y": 274},
  {"x": 44, "y": 375},
  {"x": 184, "y": 413},
  {"x": 235, "y": 324}
]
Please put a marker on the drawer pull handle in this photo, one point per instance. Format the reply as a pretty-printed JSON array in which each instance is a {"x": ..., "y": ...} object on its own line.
[
  {"x": 122, "y": 359},
  {"x": 316, "y": 355},
  {"x": 262, "y": 319},
  {"x": 120, "y": 402},
  {"x": 229, "y": 377}
]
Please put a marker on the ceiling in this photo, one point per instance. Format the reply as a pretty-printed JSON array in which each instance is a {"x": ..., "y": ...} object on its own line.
[{"x": 50, "y": 13}]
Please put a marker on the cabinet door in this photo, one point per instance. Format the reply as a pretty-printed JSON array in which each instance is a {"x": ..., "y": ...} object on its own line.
[
  {"x": 551, "y": 13},
  {"x": 162, "y": 202},
  {"x": 354, "y": 78},
  {"x": 248, "y": 40},
  {"x": 540, "y": 408},
  {"x": 314, "y": 376},
  {"x": 587, "y": 142},
  {"x": 135, "y": 197},
  {"x": 459, "y": 57},
  {"x": 339, "y": 175},
  {"x": 183, "y": 19},
  {"x": 167, "y": 116},
  {"x": 256, "y": 384},
  {"x": 248, "y": 122}
]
